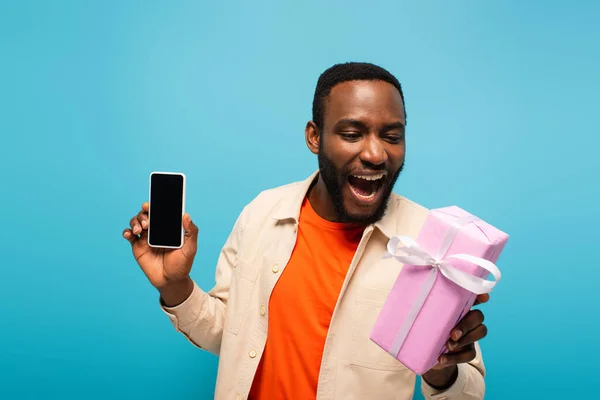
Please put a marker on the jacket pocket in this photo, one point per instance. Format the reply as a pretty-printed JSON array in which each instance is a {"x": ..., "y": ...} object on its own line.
[
  {"x": 354, "y": 382},
  {"x": 365, "y": 352},
  {"x": 240, "y": 291}
]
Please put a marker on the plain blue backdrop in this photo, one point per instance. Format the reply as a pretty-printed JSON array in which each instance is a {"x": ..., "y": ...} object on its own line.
[{"x": 502, "y": 101}]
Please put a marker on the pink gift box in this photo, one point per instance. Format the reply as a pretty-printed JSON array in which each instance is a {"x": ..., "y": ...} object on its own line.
[{"x": 417, "y": 337}]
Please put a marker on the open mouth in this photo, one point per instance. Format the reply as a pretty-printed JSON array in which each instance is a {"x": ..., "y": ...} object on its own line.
[{"x": 366, "y": 187}]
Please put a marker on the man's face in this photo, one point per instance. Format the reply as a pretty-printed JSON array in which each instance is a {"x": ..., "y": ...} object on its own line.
[{"x": 362, "y": 148}]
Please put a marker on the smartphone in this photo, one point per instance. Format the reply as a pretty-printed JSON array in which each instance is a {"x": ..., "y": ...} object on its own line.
[{"x": 167, "y": 206}]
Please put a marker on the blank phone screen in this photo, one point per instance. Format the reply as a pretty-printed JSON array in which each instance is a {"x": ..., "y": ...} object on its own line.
[{"x": 166, "y": 209}]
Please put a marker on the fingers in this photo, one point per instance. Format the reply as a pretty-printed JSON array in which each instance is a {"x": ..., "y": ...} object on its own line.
[
  {"x": 135, "y": 225},
  {"x": 482, "y": 298},
  {"x": 190, "y": 243},
  {"x": 473, "y": 319},
  {"x": 191, "y": 230},
  {"x": 465, "y": 355},
  {"x": 128, "y": 234},
  {"x": 138, "y": 225},
  {"x": 143, "y": 219},
  {"x": 470, "y": 329},
  {"x": 473, "y": 336}
]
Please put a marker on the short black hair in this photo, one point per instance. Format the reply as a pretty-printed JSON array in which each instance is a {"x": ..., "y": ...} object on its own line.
[{"x": 350, "y": 71}]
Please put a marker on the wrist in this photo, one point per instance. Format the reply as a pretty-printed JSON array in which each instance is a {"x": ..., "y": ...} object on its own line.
[
  {"x": 174, "y": 293},
  {"x": 441, "y": 379}
]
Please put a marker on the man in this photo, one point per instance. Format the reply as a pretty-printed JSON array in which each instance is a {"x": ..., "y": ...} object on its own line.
[{"x": 300, "y": 280}]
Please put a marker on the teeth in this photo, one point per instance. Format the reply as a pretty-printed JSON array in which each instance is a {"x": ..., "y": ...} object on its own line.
[
  {"x": 370, "y": 177},
  {"x": 369, "y": 197}
]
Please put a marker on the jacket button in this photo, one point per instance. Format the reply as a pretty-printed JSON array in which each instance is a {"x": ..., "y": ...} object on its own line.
[
  {"x": 275, "y": 268},
  {"x": 252, "y": 353}
]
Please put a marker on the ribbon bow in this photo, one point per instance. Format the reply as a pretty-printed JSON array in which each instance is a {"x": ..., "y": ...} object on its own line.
[{"x": 415, "y": 255}]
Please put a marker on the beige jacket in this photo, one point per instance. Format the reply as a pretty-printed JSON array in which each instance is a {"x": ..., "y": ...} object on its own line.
[{"x": 231, "y": 319}]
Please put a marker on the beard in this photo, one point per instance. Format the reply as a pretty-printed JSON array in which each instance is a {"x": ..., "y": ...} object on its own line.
[{"x": 334, "y": 179}]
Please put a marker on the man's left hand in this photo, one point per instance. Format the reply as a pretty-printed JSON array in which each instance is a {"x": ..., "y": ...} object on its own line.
[{"x": 461, "y": 347}]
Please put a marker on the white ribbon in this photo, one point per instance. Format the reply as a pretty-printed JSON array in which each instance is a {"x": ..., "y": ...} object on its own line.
[{"x": 415, "y": 255}]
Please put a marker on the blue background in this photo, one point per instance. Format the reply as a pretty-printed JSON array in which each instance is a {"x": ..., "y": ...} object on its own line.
[{"x": 501, "y": 101}]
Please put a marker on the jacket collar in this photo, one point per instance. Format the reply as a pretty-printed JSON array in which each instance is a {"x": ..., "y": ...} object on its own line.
[{"x": 288, "y": 208}]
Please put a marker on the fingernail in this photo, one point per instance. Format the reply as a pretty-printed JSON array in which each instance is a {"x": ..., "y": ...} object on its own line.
[
  {"x": 457, "y": 334},
  {"x": 451, "y": 345},
  {"x": 136, "y": 229},
  {"x": 443, "y": 360},
  {"x": 144, "y": 224}
]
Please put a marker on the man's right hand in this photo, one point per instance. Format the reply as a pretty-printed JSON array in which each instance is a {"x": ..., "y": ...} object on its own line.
[{"x": 167, "y": 269}]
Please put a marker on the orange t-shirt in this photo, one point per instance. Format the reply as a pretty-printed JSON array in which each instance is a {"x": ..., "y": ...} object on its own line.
[{"x": 301, "y": 307}]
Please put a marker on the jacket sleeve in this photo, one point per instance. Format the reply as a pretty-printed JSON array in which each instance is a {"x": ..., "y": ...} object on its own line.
[
  {"x": 201, "y": 317},
  {"x": 469, "y": 385}
]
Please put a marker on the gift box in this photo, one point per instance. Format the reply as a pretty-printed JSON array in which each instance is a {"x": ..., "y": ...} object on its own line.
[{"x": 443, "y": 271}]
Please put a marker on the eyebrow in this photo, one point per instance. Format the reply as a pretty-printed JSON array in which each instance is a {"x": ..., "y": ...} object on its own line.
[
  {"x": 363, "y": 126},
  {"x": 350, "y": 122},
  {"x": 394, "y": 125}
]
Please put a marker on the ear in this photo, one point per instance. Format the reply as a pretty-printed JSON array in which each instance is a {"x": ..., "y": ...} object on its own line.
[{"x": 312, "y": 136}]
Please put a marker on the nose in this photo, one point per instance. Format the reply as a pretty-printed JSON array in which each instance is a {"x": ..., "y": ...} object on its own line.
[{"x": 373, "y": 152}]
